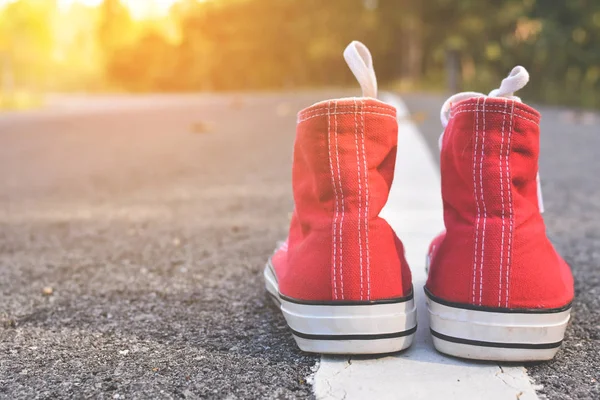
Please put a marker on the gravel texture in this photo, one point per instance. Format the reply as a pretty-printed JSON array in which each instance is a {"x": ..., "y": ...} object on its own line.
[{"x": 132, "y": 244}]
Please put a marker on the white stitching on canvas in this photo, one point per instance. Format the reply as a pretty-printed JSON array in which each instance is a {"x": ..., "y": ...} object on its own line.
[
  {"x": 336, "y": 212},
  {"x": 520, "y": 109},
  {"x": 360, "y": 249},
  {"x": 510, "y": 209},
  {"x": 498, "y": 112},
  {"x": 345, "y": 113},
  {"x": 365, "y": 168},
  {"x": 342, "y": 112},
  {"x": 502, "y": 194},
  {"x": 343, "y": 209},
  {"x": 476, "y": 198},
  {"x": 497, "y": 106},
  {"x": 347, "y": 108},
  {"x": 460, "y": 110},
  {"x": 484, "y": 206}
]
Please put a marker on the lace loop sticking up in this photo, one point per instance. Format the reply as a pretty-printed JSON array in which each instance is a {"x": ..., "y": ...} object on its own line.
[
  {"x": 516, "y": 80},
  {"x": 360, "y": 62}
]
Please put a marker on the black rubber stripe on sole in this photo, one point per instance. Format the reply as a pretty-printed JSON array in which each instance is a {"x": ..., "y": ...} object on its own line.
[
  {"x": 348, "y": 337},
  {"x": 274, "y": 297},
  {"x": 394, "y": 300},
  {"x": 377, "y": 336},
  {"x": 272, "y": 269},
  {"x": 529, "y": 346},
  {"x": 496, "y": 309}
]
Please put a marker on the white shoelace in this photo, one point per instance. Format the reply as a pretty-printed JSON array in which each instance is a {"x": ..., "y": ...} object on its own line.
[
  {"x": 516, "y": 80},
  {"x": 360, "y": 62}
]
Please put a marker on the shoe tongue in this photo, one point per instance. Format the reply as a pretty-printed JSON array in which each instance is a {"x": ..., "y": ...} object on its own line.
[{"x": 360, "y": 62}]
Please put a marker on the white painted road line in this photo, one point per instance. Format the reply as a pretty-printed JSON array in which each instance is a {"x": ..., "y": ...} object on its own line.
[{"x": 414, "y": 210}]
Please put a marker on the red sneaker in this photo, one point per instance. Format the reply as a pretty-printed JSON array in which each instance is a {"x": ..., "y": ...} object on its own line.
[
  {"x": 341, "y": 278},
  {"x": 497, "y": 289}
]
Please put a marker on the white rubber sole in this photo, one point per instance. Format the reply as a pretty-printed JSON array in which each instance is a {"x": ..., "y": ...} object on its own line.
[
  {"x": 362, "y": 328},
  {"x": 506, "y": 335}
]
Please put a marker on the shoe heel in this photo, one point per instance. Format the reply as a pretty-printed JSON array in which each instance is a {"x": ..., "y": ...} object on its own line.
[
  {"x": 330, "y": 327},
  {"x": 496, "y": 334}
]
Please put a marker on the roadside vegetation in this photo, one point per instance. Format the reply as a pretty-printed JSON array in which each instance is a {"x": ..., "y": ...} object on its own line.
[{"x": 222, "y": 45}]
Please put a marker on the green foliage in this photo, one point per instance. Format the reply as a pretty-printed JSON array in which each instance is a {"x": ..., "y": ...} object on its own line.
[{"x": 274, "y": 44}]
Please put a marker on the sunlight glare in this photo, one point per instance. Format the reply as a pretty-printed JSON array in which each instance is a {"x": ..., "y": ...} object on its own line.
[
  {"x": 66, "y": 4},
  {"x": 139, "y": 9},
  {"x": 146, "y": 8}
]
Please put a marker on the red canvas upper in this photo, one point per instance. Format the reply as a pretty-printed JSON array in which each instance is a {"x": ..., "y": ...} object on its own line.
[
  {"x": 338, "y": 248},
  {"x": 495, "y": 251}
]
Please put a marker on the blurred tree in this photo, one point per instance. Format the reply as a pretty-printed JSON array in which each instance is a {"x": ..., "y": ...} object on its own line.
[
  {"x": 272, "y": 44},
  {"x": 114, "y": 33},
  {"x": 476, "y": 33},
  {"x": 147, "y": 65},
  {"x": 26, "y": 43},
  {"x": 564, "y": 52},
  {"x": 77, "y": 55}
]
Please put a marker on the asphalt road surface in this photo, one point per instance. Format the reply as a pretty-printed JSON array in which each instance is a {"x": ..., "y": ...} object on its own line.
[{"x": 132, "y": 241}]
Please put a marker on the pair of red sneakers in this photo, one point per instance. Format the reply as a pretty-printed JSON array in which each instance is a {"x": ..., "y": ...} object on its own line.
[{"x": 496, "y": 289}]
